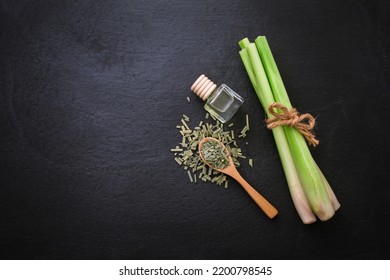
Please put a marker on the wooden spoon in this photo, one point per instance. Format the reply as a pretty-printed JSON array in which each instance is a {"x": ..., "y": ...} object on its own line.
[{"x": 231, "y": 170}]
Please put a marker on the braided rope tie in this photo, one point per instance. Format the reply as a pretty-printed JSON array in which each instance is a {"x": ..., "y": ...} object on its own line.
[{"x": 303, "y": 123}]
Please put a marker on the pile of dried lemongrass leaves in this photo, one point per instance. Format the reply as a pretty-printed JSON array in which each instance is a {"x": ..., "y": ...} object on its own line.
[{"x": 186, "y": 153}]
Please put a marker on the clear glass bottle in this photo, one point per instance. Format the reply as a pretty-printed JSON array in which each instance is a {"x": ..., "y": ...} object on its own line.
[{"x": 221, "y": 102}]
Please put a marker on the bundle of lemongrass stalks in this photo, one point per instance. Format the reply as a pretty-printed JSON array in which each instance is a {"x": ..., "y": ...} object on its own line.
[{"x": 310, "y": 191}]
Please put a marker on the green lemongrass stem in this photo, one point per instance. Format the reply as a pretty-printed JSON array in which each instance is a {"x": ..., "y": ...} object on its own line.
[
  {"x": 252, "y": 64},
  {"x": 308, "y": 171},
  {"x": 247, "y": 63}
]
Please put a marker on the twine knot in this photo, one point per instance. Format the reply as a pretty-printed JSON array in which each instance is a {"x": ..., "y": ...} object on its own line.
[{"x": 303, "y": 123}]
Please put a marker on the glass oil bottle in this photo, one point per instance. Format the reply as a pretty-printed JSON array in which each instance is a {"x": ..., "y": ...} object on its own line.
[{"x": 221, "y": 101}]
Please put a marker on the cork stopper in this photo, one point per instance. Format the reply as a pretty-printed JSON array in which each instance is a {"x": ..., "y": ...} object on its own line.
[{"x": 203, "y": 87}]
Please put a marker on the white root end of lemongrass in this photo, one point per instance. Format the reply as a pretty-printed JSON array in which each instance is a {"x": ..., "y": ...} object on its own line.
[
  {"x": 324, "y": 208},
  {"x": 301, "y": 203},
  {"x": 333, "y": 199},
  {"x": 324, "y": 212},
  {"x": 304, "y": 211}
]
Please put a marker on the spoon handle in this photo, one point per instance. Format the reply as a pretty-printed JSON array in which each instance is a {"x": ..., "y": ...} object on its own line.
[{"x": 264, "y": 205}]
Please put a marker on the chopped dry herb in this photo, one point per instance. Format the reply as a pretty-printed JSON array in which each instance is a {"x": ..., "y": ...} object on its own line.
[{"x": 186, "y": 153}]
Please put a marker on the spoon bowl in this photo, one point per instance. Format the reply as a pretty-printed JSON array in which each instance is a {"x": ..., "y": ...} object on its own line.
[{"x": 231, "y": 170}]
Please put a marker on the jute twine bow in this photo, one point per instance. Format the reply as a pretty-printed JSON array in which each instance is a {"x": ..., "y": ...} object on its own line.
[{"x": 303, "y": 123}]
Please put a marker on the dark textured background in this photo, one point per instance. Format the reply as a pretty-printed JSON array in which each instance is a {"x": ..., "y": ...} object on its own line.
[{"x": 91, "y": 92}]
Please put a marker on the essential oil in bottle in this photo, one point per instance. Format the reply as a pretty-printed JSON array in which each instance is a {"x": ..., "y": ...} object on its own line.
[{"x": 221, "y": 102}]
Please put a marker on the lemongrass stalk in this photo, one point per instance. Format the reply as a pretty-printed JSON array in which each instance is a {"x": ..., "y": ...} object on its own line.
[
  {"x": 258, "y": 78},
  {"x": 313, "y": 184},
  {"x": 332, "y": 196}
]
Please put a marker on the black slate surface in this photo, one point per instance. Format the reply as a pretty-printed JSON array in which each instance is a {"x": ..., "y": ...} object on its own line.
[{"x": 91, "y": 92}]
